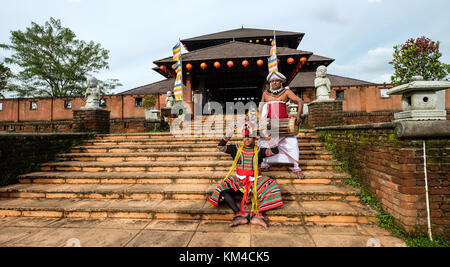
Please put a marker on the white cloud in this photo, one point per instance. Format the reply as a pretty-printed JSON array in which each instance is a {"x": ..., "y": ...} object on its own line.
[
  {"x": 372, "y": 66},
  {"x": 328, "y": 11},
  {"x": 374, "y": 1}
]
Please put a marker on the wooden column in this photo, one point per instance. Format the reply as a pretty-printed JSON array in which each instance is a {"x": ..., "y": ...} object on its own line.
[{"x": 187, "y": 97}]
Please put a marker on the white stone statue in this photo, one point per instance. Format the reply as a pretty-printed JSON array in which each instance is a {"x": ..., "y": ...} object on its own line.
[
  {"x": 323, "y": 84},
  {"x": 92, "y": 94},
  {"x": 169, "y": 100}
]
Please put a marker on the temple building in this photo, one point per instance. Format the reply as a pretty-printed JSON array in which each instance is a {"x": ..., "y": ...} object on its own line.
[{"x": 231, "y": 66}]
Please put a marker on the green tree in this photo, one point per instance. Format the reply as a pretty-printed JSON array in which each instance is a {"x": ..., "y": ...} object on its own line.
[
  {"x": 418, "y": 57},
  {"x": 5, "y": 76},
  {"x": 53, "y": 62}
]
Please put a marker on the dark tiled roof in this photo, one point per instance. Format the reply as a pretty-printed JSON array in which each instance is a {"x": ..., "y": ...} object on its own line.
[
  {"x": 306, "y": 79},
  {"x": 232, "y": 50},
  {"x": 160, "y": 87},
  {"x": 241, "y": 33},
  {"x": 315, "y": 58}
]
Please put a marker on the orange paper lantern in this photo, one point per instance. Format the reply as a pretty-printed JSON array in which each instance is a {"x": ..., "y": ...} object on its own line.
[
  {"x": 290, "y": 60},
  {"x": 217, "y": 64},
  {"x": 245, "y": 63},
  {"x": 230, "y": 64},
  {"x": 303, "y": 60},
  {"x": 203, "y": 65},
  {"x": 189, "y": 66},
  {"x": 163, "y": 67},
  {"x": 260, "y": 62}
]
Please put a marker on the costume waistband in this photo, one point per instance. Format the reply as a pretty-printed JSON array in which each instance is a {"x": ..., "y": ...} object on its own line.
[{"x": 244, "y": 173}]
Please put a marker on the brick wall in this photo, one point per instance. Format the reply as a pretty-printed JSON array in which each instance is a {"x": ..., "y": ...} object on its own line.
[
  {"x": 325, "y": 114},
  {"x": 91, "y": 121},
  {"x": 368, "y": 117},
  {"x": 22, "y": 153},
  {"x": 393, "y": 170}
]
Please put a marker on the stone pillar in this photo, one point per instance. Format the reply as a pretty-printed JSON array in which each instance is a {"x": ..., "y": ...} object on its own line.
[
  {"x": 92, "y": 120},
  {"x": 326, "y": 113}
]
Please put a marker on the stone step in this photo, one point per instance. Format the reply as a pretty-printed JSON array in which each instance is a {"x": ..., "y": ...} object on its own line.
[
  {"x": 173, "y": 191},
  {"x": 282, "y": 177},
  {"x": 167, "y": 135},
  {"x": 171, "y": 156},
  {"x": 170, "y": 166},
  {"x": 200, "y": 140},
  {"x": 308, "y": 212},
  {"x": 168, "y": 148}
]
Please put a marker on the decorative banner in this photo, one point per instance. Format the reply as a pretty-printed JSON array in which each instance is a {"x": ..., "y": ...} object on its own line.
[
  {"x": 273, "y": 64},
  {"x": 273, "y": 60},
  {"x": 177, "y": 52},
  {"x": 178, "y": 86},
  {"x": 178, "y": 68},
  {"x": 273, "y": 50}
]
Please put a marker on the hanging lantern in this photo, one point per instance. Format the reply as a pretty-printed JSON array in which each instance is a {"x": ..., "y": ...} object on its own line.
[
  {"x": 217, "y": 64},
  {"x": 290, "y": 60},
  {"x": 189, "y": 66},
  {"x": 163, "y": 67},
  {"x": 251, "y": 41},
  {"x": 265, "y": 40},
  {"x": 278, "y": 61},
  {"x": 271, "y": 39},
  {"x": 230, "y": 64},
  {"x": 203, "y": 65},
  {"x": 260, "y": 62},
  {"x": 303, "y": 60},
  {"x": 245, "y": 63},
  {"x": 257, "y": 41}
]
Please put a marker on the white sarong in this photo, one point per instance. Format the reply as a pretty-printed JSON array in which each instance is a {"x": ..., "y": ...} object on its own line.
[{"x": 288, "y": 146}]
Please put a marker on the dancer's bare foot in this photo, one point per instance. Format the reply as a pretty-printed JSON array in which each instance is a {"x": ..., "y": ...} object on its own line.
[
  {"x": 259, "y": 220},
  {"x": 265, "y": 169},
  {"x": 239, "y": 220},
  {"x": 299, "y": 174}
]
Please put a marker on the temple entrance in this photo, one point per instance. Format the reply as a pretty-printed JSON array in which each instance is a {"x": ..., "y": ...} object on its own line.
[{"x": 231, "y": 87}]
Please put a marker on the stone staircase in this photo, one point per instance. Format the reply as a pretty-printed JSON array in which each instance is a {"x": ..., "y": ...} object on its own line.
[{"x": 158, "y": 176}]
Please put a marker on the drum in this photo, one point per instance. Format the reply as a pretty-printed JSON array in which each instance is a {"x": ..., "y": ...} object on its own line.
[{"x": 286, "y": 127}]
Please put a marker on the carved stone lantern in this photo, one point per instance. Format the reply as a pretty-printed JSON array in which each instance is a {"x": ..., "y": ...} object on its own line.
[{"x": 419, "y": 101}]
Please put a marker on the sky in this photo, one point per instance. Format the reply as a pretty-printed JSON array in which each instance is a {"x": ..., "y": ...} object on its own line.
[{"x": 358, "y": 34}]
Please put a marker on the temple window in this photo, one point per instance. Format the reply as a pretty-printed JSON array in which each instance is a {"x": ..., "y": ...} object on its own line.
[
  {"x": 1, "y": 106},
  {"x": 103, "y": 102},
  {"x": 340, "y": 94},
  {"x": 384, "y": 93},
  {"x": 67, "y": 104},
  {"x": 138, "y": 102},
  {"x": 33, "y": 105}
]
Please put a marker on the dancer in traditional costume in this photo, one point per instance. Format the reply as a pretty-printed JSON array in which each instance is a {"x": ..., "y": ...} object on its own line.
[
  {"x": 247, "y": 158},
  {"x": 273, "y": 106}
]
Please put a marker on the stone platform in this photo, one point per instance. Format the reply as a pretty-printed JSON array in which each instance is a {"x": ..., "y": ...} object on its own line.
[{"x": 53, "y": 232}]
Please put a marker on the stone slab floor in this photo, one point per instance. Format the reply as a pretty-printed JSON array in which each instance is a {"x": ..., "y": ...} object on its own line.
[{"x": 42, "y": 232}]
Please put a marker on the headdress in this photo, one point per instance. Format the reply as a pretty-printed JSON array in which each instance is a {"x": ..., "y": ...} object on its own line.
[{"x": 276, "y": 75}]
